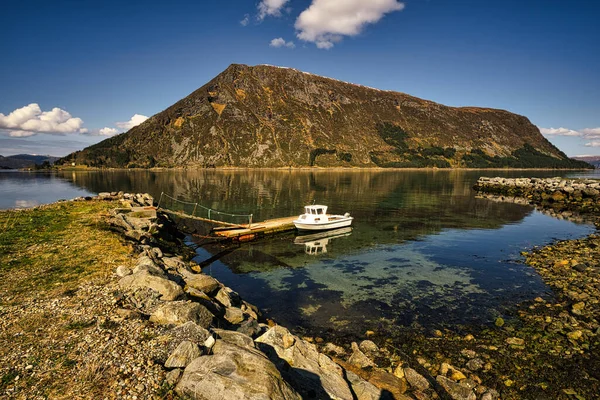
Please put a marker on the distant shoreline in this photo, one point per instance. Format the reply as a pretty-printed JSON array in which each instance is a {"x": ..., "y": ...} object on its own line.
[{"x": 309, "y": 169}]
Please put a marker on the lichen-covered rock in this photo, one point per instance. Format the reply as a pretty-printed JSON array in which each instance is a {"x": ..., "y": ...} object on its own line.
[
  {"x": 190, "y": 331},
  {"x": 359, "y": 359},
  {"x": 233, "y": 372},
  {"x": 168, "y": 289},
  {"x": 308, "y": 371},
  {"x": 234, "y": 315},
  {"x": 415, "y": 379},
  {"x": 236, "y": 338},
  {"x": 228, "y": 297},
  {"x": 456, "y": 390},
  {"x": 180, "y": 312},
  {"x": 183, "y": 354},
  {"x": 202, "y": 282},
  {"x": 362, "y": 389},
  {"x": 122, "y": 271}
]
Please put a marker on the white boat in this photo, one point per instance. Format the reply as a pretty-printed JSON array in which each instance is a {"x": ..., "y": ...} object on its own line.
[{"x": 315, "y": 218}]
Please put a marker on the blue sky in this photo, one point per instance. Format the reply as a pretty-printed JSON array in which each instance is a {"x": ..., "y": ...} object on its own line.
[{"x": 75, "y": 72}]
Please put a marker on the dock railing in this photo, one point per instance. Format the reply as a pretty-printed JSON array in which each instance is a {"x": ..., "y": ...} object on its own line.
[{"x": 197, "y": 210}]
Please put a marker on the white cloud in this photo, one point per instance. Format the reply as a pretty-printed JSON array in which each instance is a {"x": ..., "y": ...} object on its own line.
[
  {"x": 134, "y": 121},
  {"x": 593, "y": 144},
  {"x": 246, "y": 20},
  {"x": 559, "y": 132},
  {"x": 591, "y": 131},
  {"x": 270, "y": 8},
  {"x": 280, "y": 42},
  {"x": 106, "y": 131},
  {"x": 326, "y": 22},
  {"x": 586, "y": 133},
  {"x": 31, "y": 120}
]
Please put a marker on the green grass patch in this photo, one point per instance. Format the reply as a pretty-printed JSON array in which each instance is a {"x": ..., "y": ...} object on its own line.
[{"x": 56, "y": 246}]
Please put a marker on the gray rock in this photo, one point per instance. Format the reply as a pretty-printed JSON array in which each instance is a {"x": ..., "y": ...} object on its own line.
[
  {"x": 138, "y": 224},
  {"x": 367, "y": 346},
  {"x": 237, "y": 338},
  {"x": 234, "y": 315},
  {"x": 491, "y": 394},
  {"x": 145, "y": 260},
  {"x": 190, "y": 331},
  {"x": 173, "y": 376},
  {"x": 184, "y": 354},
  {"x": 475, "y": 364},
  {"x": 455, "y": 390},
  {"x": 152, "y": 269},
  {"x": 180, "y": 312},
  {"x": 359, "y": 359},
  {"x": 157, "y": 252},
  {"x": 122, "y": 271},
  {"x": 415, "y": 379},
  {"x": 362, "y": 389},
  {"x": 169, "y": 290},
  {"x": 335, "y": 350},
  {"x": 203, "y": 282},
  {"x": 209, "y": 342},
  {"x": 234, "y": 372},
  {"x": 312, "y": 373},
  {"x": 173, "y": 262},
  {"x": 228, "y": 297}
]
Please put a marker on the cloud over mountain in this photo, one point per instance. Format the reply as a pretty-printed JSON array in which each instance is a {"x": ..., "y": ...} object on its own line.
[
  {"x": 326, "y": 22},
  {"x": 134, "y": 121}
]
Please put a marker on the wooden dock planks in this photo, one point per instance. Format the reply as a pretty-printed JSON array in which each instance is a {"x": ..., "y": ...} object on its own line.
[
  {"x": 242, "y": 232},
  {"x": 258, "y": 229}
]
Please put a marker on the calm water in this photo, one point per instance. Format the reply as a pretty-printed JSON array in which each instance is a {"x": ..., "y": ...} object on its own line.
[{"x": 423, "y": 250}]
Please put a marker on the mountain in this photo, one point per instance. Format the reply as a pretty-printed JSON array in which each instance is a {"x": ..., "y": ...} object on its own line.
[
  {"x": 24, "y": 161},
  {"x": 593, "y": 160},
  {"x": 265, "y": 116}
]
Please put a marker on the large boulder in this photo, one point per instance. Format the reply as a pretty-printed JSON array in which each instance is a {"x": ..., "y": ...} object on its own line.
[
  {"x": 202, "y": 282},
  {"x": 169, "y": 290},
  {"x": 184, "y": 354},
  {"x": 312, "y": 374},
  {"x": 180, "y": 312},
  {"x": 233, "y": 372}
]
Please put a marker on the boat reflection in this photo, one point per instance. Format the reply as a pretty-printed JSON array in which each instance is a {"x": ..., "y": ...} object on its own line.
[{"x": 316, "y": 243}]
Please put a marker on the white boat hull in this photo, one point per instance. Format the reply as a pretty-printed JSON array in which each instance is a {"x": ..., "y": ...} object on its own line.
[{"x": 333, "y": 223}]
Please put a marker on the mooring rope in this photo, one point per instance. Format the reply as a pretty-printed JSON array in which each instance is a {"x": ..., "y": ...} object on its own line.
[{"x": 208, "y": 209}]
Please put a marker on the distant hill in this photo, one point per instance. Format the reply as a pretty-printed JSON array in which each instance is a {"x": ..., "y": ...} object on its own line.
[
  {"x": 593, "y": 160},
  {"x": 24, "y": 161},
  {"x": 265, "y": 116}
]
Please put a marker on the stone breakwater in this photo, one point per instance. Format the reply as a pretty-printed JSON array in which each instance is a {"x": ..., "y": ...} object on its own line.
[
  {"x": 581, "y": 195},
  {"x": 216, "y": 345}
]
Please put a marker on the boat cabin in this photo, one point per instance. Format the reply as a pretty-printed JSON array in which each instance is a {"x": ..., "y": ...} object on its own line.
[{"x": 315, "y": 213}]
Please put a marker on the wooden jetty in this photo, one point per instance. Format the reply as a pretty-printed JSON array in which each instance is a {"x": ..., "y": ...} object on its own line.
[
  {"x": 247, "y": 232},
  {"x": 241, "y": 232}
]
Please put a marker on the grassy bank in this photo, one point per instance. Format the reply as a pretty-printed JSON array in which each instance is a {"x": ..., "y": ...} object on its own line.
[
  {"x": 58, "y": 338},
  {"x": 53, "y": 248}
]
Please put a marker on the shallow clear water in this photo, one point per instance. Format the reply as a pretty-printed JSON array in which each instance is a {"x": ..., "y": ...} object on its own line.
[{"x": 423, "y": 250}]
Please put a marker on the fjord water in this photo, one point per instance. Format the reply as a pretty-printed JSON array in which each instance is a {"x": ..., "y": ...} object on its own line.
[{"x": 423, "y": 250}]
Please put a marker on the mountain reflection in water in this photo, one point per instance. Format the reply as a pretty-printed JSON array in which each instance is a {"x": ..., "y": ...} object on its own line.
[{"x": 423, "y": 250}]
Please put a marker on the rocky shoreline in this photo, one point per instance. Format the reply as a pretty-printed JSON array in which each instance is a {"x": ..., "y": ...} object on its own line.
[
  {"x": 580, "y": 195},
  {"x": 221, "y": 347},
  {"x": 160, "y": 328}
]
